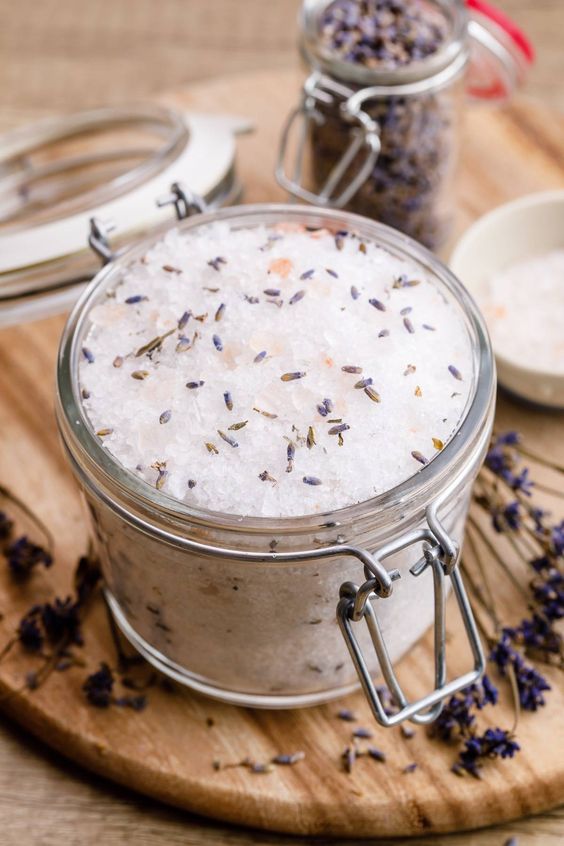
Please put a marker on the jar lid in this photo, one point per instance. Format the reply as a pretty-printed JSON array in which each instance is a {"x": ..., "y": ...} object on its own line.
[
  {"x": 500, "y": 53},
  {"x": 111, "y": 164}
]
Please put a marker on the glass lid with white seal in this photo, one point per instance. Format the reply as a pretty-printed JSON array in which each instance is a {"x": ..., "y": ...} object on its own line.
[{"x": 111, "y": 164}]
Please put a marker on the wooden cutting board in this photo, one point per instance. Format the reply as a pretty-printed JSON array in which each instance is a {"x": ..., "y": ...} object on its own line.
[{"x": 167, "y": 750}]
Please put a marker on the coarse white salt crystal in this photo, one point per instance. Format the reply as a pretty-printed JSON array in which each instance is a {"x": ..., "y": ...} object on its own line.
[
  {"x": 262, "y": 326},
  {"x": 524, "y": 307}
]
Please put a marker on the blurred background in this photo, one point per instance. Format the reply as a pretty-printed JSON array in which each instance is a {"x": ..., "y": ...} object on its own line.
[{"x": 64, "y": 54}]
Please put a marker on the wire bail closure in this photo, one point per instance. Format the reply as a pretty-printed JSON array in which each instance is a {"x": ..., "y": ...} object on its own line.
[
  {"x": 365, "y": 132},
  {"x": 357, "y": 603}
]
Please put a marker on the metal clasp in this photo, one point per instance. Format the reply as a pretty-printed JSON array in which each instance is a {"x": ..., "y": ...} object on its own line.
[
  {"x": 440, "y": 553},
  {"x": 98, "y": 239},
  {"x": 365, "y": 134},
  {"x": 185, "y": 202}
]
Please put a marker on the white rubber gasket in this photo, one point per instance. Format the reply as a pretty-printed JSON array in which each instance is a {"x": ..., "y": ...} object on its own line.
[{"x": 202, "y": 165}]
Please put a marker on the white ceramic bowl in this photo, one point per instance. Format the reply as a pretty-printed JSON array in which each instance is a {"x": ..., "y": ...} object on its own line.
[{"x": 530, "y": 226}]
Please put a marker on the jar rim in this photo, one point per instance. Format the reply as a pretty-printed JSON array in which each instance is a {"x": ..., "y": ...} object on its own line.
[
  {"x": 451, "y": 53},
  {"x": 85, "y": 448}
]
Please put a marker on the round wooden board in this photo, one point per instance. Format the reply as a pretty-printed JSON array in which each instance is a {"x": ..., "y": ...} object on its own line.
[{"x": 167, "y": 750}]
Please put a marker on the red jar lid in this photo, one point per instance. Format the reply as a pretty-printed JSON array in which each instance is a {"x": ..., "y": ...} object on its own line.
[{"x": 501, "y": 53}]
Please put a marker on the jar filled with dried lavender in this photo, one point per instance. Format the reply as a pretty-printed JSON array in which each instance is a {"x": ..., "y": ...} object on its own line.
[{"x": 381, "y": 110}]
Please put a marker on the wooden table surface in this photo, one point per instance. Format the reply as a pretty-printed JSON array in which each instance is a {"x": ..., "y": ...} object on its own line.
[{"x": 59, "y": 55}]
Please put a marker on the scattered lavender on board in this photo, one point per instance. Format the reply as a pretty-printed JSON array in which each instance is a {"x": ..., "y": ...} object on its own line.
[{"x": 23, "y": 556}]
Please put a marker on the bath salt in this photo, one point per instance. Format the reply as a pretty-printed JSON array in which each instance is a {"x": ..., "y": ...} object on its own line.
[
  {"x": 524, "y": 307},
  {"x": 274, "y": 371}
]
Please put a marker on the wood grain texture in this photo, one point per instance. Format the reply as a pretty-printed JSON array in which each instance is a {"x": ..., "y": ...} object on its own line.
[{"x": 170, "y": 757}]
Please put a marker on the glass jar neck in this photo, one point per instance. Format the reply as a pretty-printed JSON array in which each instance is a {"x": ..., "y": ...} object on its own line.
[{"x": 454, "y": 50}]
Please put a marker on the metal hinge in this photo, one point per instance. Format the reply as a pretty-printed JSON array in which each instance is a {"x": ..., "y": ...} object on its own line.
[{"x": 358, "y": 603}]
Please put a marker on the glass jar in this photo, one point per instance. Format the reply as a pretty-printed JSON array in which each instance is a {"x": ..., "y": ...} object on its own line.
[
  {"x": 243, "y": 608},
  {"x": 384, "y": 140}
]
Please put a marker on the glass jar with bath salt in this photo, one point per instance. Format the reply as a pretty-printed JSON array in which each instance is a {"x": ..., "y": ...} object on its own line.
[
  {"x": 379, "y": 121},
  {"x": 276, "y": 415}
]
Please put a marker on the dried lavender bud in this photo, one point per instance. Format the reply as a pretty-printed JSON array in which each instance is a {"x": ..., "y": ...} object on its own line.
[
  {"x": 349, "y": 758},
  {"x": 408, "y": 325},
  {"x": 336, "y": 430},
  {"x": 355, "y": 293},
  {"x": 216, "y": 262},
  {"x": 99, "y": 686},
  {"x": 288, "y": 760},
  {"x": 220, "y": 312},
  {"x": 346, "y": 715},
  {"x": 165, "y": 416},
  {"x": 88, "y": 355},
  {"x": 311, "y": 480},
  {"x": 419, "y": 457},
  {"x": 136, "y": 703},
  {"x": 307, "y": 275},
  {"x": 260, "y": 768},
  {"x": 6, "y": 526},
  {"x": 259, "y": 357},
  {"x": 377, "y": 304},
  {"x": 362, "y": 733},
  {"x": 61, "y": 621},
  {"x": 410, "y": 768},
  {"x": 217, "y": 342},
  {"x": 184, "y": 320},
  {"x": 454, "y": 371},
  {"x": 299, "y": 295},
  {"x": 376, "y": 754},
  {"x": 494, "y": 743},
  {"x": 272, "y": 292},
  {"x": 351, "y": 368},
  {"x": 23, "y": 556},
  {"x": 29, "y": 632},
  {"x": 290, "y": 454},
  {"x": 197, "y": 384},
  {"x": 228, "y": 400},
  {"x": 183, "y": 344},
  {"x": 137, "y": 298}
]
